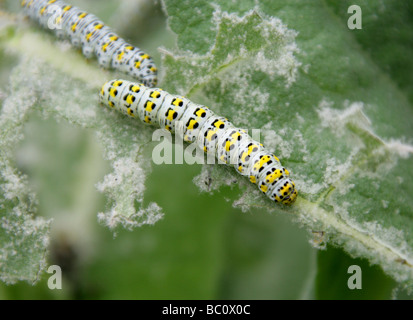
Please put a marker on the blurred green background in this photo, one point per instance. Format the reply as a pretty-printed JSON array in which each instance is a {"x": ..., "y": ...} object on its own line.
[{"x": 202, "y": 249}]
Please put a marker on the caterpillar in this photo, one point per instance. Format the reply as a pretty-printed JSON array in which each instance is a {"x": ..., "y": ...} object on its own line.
[
  {"x": 212, "y": 133},
  {"x": 86, "y": 31}
]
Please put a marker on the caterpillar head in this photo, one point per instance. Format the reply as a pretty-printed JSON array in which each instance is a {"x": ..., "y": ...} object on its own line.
[
  {"x": 291, "y": 199},
  {"x": 284, "y": 191}
]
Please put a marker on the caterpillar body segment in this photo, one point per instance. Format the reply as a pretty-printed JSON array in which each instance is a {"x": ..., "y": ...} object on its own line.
[{"x": 87, "y": 32}]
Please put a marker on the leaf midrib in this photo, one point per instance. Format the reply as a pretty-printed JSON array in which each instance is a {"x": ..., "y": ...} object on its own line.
[{"x": 303, "y": 205}]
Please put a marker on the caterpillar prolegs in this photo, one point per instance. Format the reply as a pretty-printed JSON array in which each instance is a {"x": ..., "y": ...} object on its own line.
[
  {"x": 88, "y": 32},
  {"x": 212, "y": 133}
]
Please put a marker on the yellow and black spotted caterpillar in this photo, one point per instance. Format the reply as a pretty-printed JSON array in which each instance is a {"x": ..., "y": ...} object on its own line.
[
  {"x": 87, "y": 31},
  {"x": 198, "y": 124}
]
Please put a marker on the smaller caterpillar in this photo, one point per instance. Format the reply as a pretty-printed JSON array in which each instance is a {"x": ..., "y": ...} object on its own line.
[
  {"x": 212, "y": 133},
  {"x": 88, "y": 32}
]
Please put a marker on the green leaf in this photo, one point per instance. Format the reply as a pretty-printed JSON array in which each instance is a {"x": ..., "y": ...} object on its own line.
[
  {"x": 267, "y": 257},
  {"x": 336, "y": 120},
  {"x": 386, "y": 37},
  {"x": 23, "y": 236},
  {"x": 53, "y": 82}
]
